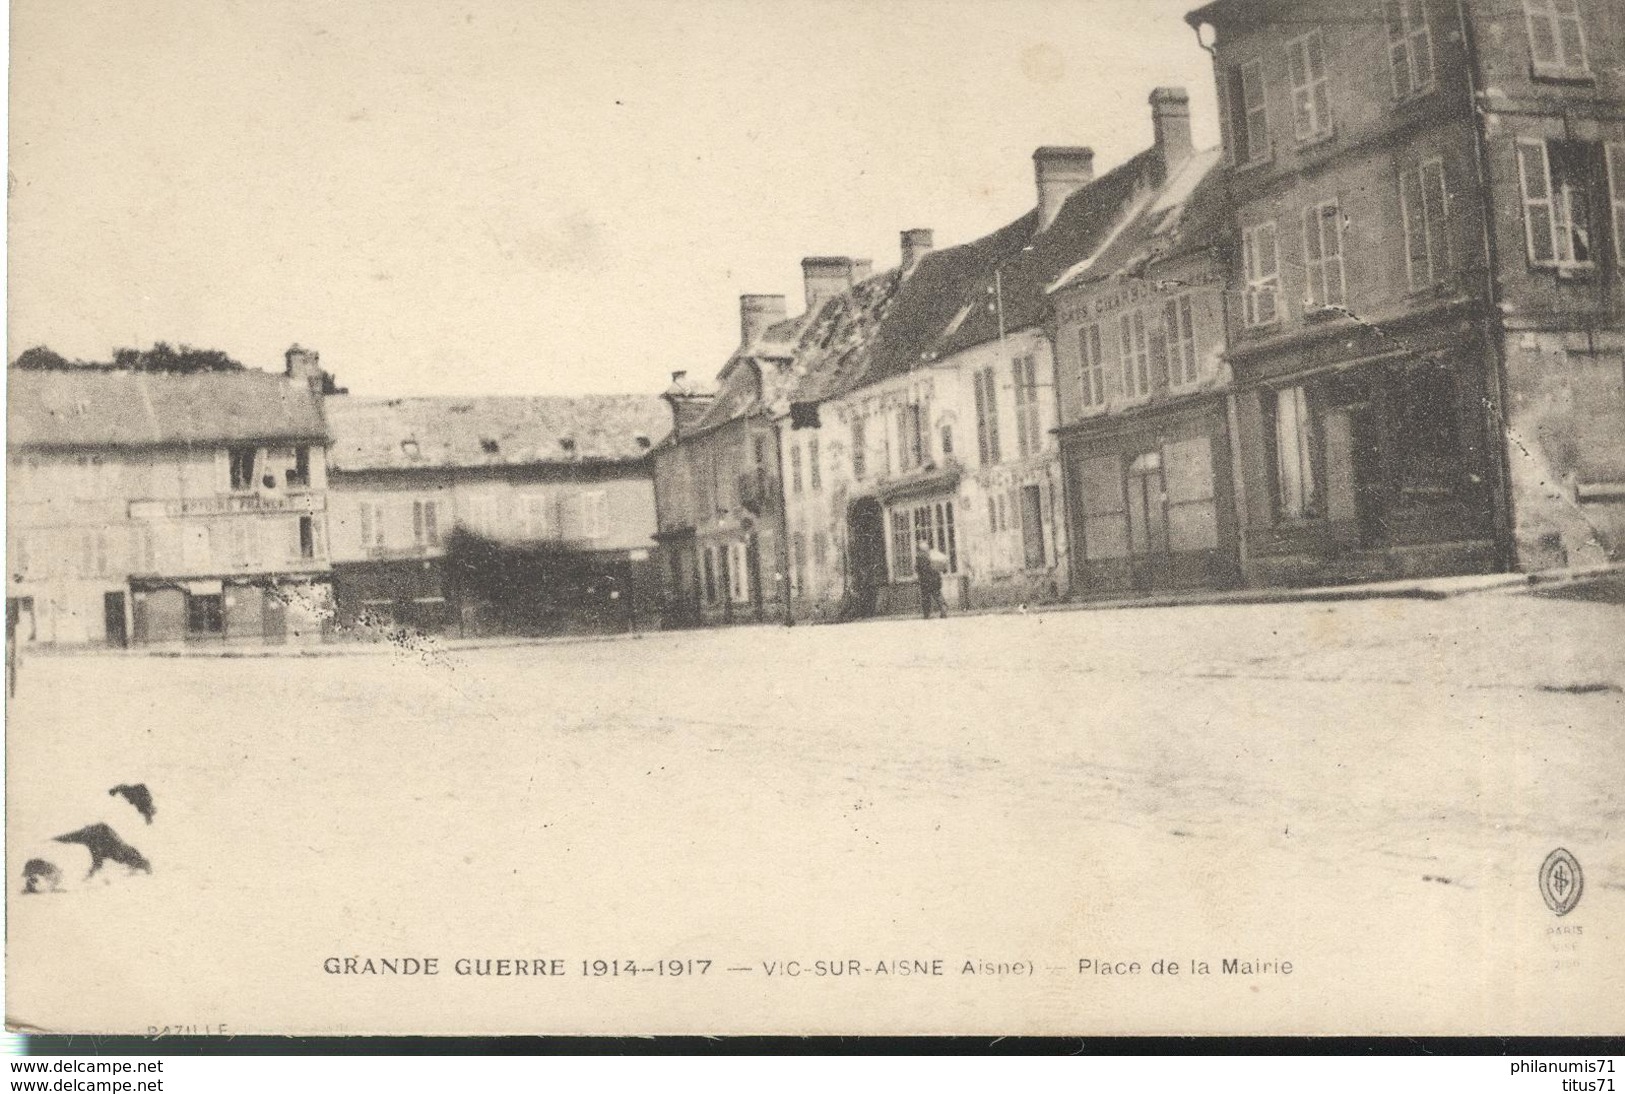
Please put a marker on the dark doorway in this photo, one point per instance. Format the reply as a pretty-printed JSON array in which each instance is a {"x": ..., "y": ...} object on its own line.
[
  {"x": 866, "y": 556},
  {"x": 274, "y": 617},
  {"x": 114, "y": 620}
]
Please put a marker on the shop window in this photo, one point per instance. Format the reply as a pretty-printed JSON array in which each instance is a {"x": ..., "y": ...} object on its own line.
[
  {"x": 1296, "y": 443},
  {"x": 205, "y": 614},
  {"x": 932, "y": 524},
  {"x": 1426, "y": 423},
  {"x": 1410, "y": 47}
]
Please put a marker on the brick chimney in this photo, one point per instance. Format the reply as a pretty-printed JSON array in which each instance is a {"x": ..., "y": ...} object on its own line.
[
  {"x": 304, "y": 364},
  {"x": 1059, "y": 171},
  {"x": 825, "y": 277},
  {"x": 1171, "y": 125},
  {"x": 916, "y": 244},
  {"x": 757, "y": 312}
]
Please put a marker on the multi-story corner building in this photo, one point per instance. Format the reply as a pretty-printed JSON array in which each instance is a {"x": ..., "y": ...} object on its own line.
[
  {"x": 1425, "y": 319},
  {"x": 154, "y": 507},
  {"x": 511, "y": 483},
  {"x": 725, "y": 553},
  {"x": 1140, "y": 336}
]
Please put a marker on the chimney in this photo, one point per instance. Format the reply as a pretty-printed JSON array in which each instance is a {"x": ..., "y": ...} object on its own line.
[
  {"x": 1171, "y": 125},
  {"x": 825, "y": 277},
  {"x": 757, "y": 312},
  {"x": 304, "y": 364},
  {"x": 1059, "y": 172},
  {"x": 862, "y": 269},
  {"x": 917, "y": 242}
]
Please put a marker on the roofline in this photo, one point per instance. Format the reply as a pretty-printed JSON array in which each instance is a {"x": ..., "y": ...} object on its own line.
[
  {"x": 80, "y": 446},
  {"x": 586, "y": 462}
]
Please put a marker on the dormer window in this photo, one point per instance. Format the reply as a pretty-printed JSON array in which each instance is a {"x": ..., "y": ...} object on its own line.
[
  {"x": 642, "y": 440},
  {"x": 489, "y": 446},
  {"x": 409, "y": 448},
  {"x": 568, "y": 444}
]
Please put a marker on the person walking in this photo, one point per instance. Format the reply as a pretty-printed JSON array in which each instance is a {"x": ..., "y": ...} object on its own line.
[{"x": 930, "y": 579}]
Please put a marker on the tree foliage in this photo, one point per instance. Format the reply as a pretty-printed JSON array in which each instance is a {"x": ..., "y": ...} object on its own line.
[{"x": 162, "y": 357}]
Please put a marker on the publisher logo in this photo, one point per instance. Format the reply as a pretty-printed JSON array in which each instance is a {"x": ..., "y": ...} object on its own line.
[{"x": 1561, "y": 881}]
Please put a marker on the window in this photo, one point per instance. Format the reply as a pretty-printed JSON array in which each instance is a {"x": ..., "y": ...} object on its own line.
[
  {"x": 987, "y": 416},
  {"x": 1092, "y": 367},
  {"x": 859, "y": 450},
  {"x": 1136, "y": 354},
  {"x": 798, "y": 558},
  {"x": 931, "y": 523},
  {"x": 242, "y": 542},
  {"x": 1176, "y": 319},
  {"x": 1424, "y": 208},
  {"x": 533, "y": 515},
  {"x": 1410, "y": 47},
  {"x": 92, "y": 553},
  {"x": 594, "y": 506},
  {"x": 795, "y": 469},
  {"x": 205, "y": 614},
  {"x": 910, "y": 437},
  {"x": 947, "y": 442},
  {"x": 307, "y": 537},
  {"x": 1556, "y": 213},
  {"x": 1032, "y": 525},
  {"x": 1323, "y": 255},
  {"x": 738, "y": 574},
  {"x": 1306, "y": 68},
  {"x": 820, "y": 548},
  {"x": 1615, "y": 154},
  {"x": 710, "y": 575},
  {"x": 241, "y": 461},
  {"x": 1295, "y": 442},
  {"x": 1260, "y": 257},
  {"x": 298, "y": 476},
  {"x": 1029, "y": 439},
  {"x": 426, "y": 523},
  {"x": 1249, "y": 120},
  {"x": 1557, "y": 44},
  {"x": 372, "y": 524},
  {"x": 815, "y": 477}
]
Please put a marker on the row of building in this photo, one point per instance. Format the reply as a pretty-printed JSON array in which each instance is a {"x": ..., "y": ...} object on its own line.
[
  {"x": 241, "y": 506},
  {"x": 1379, "y": 332},
  {"x": 1376, "y": 334}
]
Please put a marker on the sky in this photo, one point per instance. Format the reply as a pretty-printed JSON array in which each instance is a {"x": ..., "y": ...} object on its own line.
[{"x": 528, "y": 196}]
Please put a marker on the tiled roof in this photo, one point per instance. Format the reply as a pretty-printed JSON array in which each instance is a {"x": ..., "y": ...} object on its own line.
[
  {"x": 1184, "y": 215},
  {"x": 1024, "y": 273},
  {"x": 371, "y": 434},
  {"x": 110, "y": 408}
]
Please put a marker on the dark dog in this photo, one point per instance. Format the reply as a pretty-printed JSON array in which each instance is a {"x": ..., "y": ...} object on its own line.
[
  {"x": 37, "y": 871},
  {"x": 138, "y": 796},
  {"x": 104, "y": 845}
]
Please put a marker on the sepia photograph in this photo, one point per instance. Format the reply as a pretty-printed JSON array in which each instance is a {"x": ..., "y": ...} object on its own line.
[{"x": 889, "y": 518}]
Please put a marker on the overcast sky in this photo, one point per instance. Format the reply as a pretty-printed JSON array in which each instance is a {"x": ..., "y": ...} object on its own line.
[{"x": 524, "y": 196}]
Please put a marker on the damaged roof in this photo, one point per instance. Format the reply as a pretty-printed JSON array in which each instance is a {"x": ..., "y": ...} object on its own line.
[
  {"x": 371, "y": 434},
  {"x": 738, "y": 393},
  {"x": 1186, "y": 214},
  {"x": 98, "y": 408},
  {"x": 1016, "y": 282}
]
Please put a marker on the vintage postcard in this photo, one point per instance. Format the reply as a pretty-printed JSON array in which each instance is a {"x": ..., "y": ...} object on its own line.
[{"x": 822, "y": 517}]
